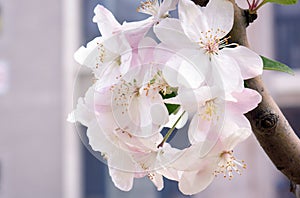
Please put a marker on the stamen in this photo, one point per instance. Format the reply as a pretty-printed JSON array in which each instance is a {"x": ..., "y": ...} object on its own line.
[
  {"x": 209, "y": 110},
  {"x": 229, "y": 164},
  {"x": 212, "y": 42},
  {"x": 149, "y": 7}
]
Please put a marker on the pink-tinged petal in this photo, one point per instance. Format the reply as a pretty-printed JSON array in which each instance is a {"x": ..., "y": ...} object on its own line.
[
  {"x": 199, "y": 129},
  {"x": 122, "y": 180},
  {"x": 241, "y": 121},
  {"x": 247, "y": 100},
  {"x": 121, "y": 156},
  {"x": 162, "y": 54},
  {"x": 146, "y": 50},
  {"x": 106, "y": 21},
  {"x": 171, "y": 26},
  {"x": 136, "y": 31},
  {"x": 232, "y": 134},
  {"x": 193, "y": 182},
  {"x": 166, "y": 6},
  {"x": 219, "y": 16},
  {"x": 157, "y": 180},
  {"x": 250, "y": 63},
  {"x": 204, "y": 134}
]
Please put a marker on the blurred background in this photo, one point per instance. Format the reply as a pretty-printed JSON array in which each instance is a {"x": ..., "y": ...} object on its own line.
[{"x": 41, "y": 155}]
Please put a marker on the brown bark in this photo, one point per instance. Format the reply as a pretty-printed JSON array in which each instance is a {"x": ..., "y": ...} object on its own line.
[{"x": 269, "y": 125}]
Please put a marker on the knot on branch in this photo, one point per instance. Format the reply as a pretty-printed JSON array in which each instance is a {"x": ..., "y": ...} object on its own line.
[{"x": 266, "y": 122}]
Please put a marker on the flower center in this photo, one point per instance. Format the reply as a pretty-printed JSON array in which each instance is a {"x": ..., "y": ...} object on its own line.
[
  {"x": 149, "y": 7},
  {"x": 123, "y": 93},
  {"x": 229, "y": 164},
  {"x": 209, "y": 110},
  {"x": 211, "y": 42}
]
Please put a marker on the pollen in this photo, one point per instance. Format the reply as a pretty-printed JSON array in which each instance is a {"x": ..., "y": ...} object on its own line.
[
  {"x": 211, "y": 41},
  {"x": 149, "y": 7},
  {"x": 151, "y": 176},
  {"x": 209, "y": 110},
  {"x": 122, "y": 94},
  {"x": 228, "y": 165},
  {"x": 101, "y": 51}
]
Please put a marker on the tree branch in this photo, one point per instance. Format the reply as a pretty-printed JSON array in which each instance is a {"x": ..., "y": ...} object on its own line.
[{"x": 269, "y": 125}]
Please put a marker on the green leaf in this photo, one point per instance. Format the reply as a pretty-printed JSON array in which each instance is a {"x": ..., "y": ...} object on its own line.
[
  {"x": 172, "y": 108},
  {"x": 276, "y": 66},
  {"x": 282, "y": 2},
  {"x": 170, "y": 95}
]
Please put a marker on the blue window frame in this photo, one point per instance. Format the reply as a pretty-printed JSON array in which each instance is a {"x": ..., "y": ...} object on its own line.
[{"x": 287, "y": 40}]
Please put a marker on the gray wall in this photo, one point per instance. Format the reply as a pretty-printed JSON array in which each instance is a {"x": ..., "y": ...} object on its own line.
[{"x": 30, "y": 112}]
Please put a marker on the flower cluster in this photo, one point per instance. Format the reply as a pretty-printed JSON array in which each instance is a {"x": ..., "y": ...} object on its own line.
[{"x": 143, "y": 84}]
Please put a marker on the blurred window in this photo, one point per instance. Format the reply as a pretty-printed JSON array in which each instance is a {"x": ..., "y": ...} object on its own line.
[
  {"x": 287, "y": 49},
  {"x": 287, "y": 33}
]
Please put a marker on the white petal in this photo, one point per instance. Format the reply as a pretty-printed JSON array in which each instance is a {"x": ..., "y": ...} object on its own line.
[
  {"x": 193, "y": 19},
  {"x": 192, "y": 99},
  {"x": 157, "y": 180},
  {"x": 193, "y": 182},
  {"x": 122, "y": 180},
  {"x": 189, "y": 76},
  {"x": 84, "y": 112},
  {"x": 170, "y": 173},
  {"x": 171, "y": 26},
  {"x": 250, "y": 63},
  {"x": 159, "y": 114},
  {"x": 82, "y": 55},
  {"x": 226, "y": 73},
  {"x": 106, "y": 21},
  {"x": 167, "y": 5},
  {"x": 232, "y": 134},
  {"x": 219, "y": 15}
]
